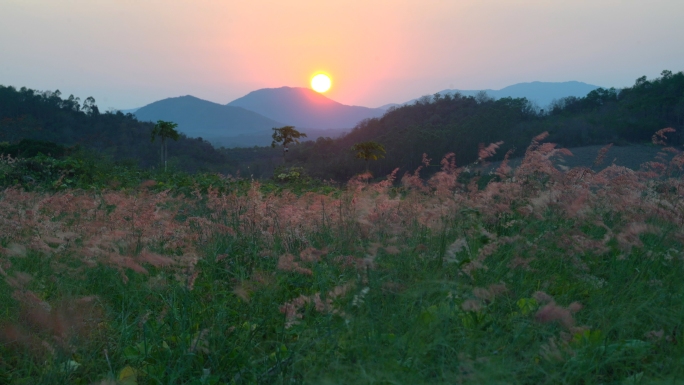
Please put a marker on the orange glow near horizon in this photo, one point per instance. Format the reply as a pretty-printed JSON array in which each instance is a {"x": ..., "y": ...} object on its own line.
[
  {"x": 321, "y": 82},
  {"x": 379, "y": 51}
]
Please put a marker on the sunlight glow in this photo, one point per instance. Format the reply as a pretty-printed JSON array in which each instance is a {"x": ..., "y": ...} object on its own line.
[{"x": 320, "y": 83}]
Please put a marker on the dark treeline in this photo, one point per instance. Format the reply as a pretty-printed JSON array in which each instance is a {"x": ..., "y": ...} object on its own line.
[
  {"x": 442, "y": 124},
  {"x": 629, "y": 115},
  {"x": 434, "y": 125},
  {"x": 46, "y": 116}
]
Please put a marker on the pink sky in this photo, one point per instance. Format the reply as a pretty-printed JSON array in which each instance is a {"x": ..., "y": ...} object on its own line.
[{"x": 128, "y": 53}]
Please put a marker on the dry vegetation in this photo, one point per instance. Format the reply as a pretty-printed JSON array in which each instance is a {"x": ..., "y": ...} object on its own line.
[{"x": 543, "y": 276}]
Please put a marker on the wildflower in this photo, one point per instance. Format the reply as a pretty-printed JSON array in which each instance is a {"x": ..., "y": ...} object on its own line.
[
  {"x": 286, "y": 262},
  {"x": 15, "y": 250},
  {"x": 542, "y": 297},
  {"x": 358, "y": 298},
  {"x": 155, "y": 259},
  {"x": 291, "y": 309},
  {"x": 191, "y": 280},
  {"x": 551, "y": 351},
  {"x": 148, "y": 183},
  {"x": 199, "y": 342},
  {"x": 311, "y": 255},
  {"x": 487, "y": 152},
  {"x": 654, "y": 335},
  {"x": 393, "y": 250},
  {"x": 551, "y": 312},
  {"x": 504, "y": 170},
  {"x": 659, "y": 137},
  {"x": 471, "y": 305},
  {"x": 522, "y": 263},
  {"x": 455, "y": 248},
  {"x": 488, "y": 294},
  {"x": 19, "y": 281},
  {"x": 241, "y": 292}
]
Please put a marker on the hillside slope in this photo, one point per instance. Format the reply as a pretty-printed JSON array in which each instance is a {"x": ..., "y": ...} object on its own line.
[
  {"x": 539, "y": 93},
  {"x": 198, "y": 117},
  {"x": 46, "y": 116},
  {"x": 304, "y": 108},
  {"x": 461, "y": 124}
]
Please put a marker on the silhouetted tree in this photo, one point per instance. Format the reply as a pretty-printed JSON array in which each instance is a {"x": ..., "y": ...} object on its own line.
[
  {"x": 165, "y": 130},
  {"x": 286, "y": 135},
  {"x": 369, "y": 151},
  {"x": 89, "y": 106}
]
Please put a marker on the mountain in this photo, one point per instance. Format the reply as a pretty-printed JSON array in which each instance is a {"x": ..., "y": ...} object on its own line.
[
  {"x": 390, "y": 105},
  {"x": 460, "y": 125},
  {"x": 129, "y": 111},
  {"x": 304, "y": 108},
  {"x": 248, "y": 121},
  {"x": 27, "y": 114},
  {"x": 197, "y": 117},
  {"x": 541, "y": 93}
]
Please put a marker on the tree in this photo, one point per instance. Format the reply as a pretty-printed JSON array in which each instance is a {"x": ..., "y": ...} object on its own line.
[
  {"x": 369, "y": 151},
  {"x": 89, "y": 106},
  {"x": 165, "y": 130},
  {"x": 286, "y": 135}
]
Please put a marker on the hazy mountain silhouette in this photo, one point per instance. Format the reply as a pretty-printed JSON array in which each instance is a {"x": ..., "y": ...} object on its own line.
[
  {"x": 129, "y": 111},
  {"x": 541, "y": 93},
  {"x": 197, "y": 117},
  {"x": 304, "y": 108},
  {"x": 248, "y": 121}
]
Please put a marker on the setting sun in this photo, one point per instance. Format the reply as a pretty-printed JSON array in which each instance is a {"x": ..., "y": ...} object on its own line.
[{"x": 320, "y": 83}]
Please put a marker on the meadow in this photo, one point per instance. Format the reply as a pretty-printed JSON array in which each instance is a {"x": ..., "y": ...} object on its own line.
[{"x": 527, "y": 275}]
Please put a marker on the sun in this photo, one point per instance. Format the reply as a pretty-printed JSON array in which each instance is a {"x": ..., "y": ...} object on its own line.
[{"x": 320, "y": 83}]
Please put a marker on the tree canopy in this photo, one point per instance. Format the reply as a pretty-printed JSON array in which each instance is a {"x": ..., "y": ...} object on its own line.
[
  {"x": 286, "y": 135},
  {"x": 46, "y": 116},
  {"x": 165, "y": 130},
  {"x": 457, "y": 124}
]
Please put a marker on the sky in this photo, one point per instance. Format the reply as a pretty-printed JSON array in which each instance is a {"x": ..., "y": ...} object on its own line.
[{"x": 129, "y": 53}]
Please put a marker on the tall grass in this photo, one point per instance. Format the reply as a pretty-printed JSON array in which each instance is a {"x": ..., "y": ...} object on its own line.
[{"x": 543, "y": 276}]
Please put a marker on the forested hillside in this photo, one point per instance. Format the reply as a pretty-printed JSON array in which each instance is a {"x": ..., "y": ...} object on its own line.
[
  {"x": 46, "y": 116},
  {"x": 442, "y": 124},
  {"x": 202, "y": 118},
  {"x": 433, "y": 125}
]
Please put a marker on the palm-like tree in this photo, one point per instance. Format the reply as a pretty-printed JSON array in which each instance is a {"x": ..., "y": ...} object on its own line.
[{"x": 165, "y": 130}]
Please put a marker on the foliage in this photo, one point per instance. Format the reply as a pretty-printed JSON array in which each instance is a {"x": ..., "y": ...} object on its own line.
[
  {"x": 165, "y": 130},
  {"x": 458, "y": 124},
  {"x": 369, "y": 151},
  {"x": 27, "y": 114},
  {"x": 433, "y": 125},
  {"x": 289, "y": 174},
  {"x": 543, "y": 277},
  {"x": 286, "y": 135},
  {"x": 86, "y": 170},
  {"x": 28, "y": 148}
]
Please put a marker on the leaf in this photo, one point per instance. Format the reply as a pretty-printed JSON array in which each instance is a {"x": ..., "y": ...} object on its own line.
[
  {"x": 587, "y": 336},
  {"x": 527, "y": 305},
  {"x": 429, "y": 315},
  {"x": 70, "y": 366},
  {"x": 128, "y": 376},
  {"x": 131, "y": 353}
]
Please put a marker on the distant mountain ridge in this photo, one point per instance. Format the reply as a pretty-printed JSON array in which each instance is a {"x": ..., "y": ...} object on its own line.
[
  {"x": 541, "y": 93},
  {"x": 304, "y": 108},
  {"x": 198, "y": 117},
  {"x": 247, "y": 121}
]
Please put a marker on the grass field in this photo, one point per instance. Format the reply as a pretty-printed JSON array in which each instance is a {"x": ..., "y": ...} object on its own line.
[{"x": 542, "y": 276}]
